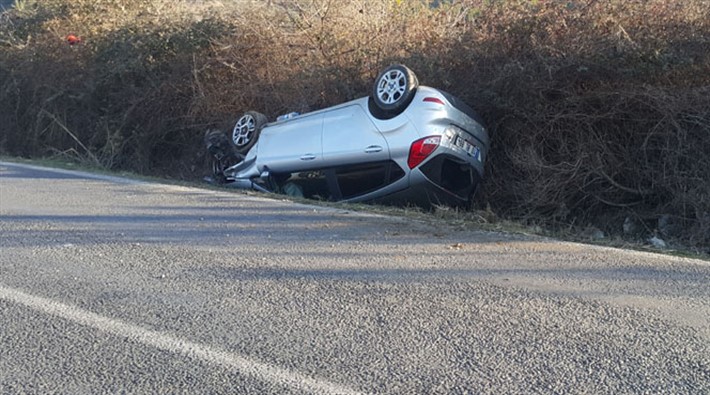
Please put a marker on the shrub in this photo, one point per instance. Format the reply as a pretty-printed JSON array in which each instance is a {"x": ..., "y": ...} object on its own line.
[{"x": 598, "y": 110}]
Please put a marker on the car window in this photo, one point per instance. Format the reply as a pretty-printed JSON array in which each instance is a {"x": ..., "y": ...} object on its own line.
[
  {"x": 355, "y": 180},
  {"x": 309, "y": 184}
]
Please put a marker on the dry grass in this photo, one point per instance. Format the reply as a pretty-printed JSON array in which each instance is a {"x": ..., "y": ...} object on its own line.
[{"x": 598, "y": 110}]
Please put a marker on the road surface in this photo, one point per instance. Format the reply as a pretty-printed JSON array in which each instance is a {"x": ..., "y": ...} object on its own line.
[{"x": 109, "y": 285}]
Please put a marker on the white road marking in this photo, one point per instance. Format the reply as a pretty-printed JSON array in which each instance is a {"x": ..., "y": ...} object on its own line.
[{"x": 167, "y": 342}]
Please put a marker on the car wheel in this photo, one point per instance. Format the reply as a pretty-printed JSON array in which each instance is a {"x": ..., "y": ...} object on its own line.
[
  {"x": 246, "y": 131},
  {"x": 394, "y": 89}
]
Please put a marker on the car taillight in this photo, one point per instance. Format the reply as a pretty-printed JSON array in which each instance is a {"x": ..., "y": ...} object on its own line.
[
  {"x": 421, "y": 149},
  {"x": 434, "y": 100}
]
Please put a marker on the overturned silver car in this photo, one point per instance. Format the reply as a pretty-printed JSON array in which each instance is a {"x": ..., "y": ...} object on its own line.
[{"x": 404, "y": 143}]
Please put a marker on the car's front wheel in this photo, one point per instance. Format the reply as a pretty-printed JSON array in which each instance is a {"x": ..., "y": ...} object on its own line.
[
  {"x": 246, "y": 131},
  {"x": 393, "y": 90}
]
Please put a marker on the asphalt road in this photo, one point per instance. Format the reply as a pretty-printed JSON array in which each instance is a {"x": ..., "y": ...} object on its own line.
[{"x": 109, "y": 285}]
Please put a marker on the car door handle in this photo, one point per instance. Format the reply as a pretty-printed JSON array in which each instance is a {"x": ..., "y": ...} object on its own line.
[
  {"x": 308, "y": 157},
  {"x": 372, "y": 149}
]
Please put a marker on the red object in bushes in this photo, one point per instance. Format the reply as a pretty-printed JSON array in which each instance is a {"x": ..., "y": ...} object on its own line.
[{"x": 72, "y": 39}]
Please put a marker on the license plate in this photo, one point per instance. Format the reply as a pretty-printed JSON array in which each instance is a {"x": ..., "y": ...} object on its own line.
[{"x": 470, "y": 149}]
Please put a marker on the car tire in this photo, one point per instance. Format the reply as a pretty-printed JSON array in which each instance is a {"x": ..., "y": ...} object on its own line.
[
  {"x": 246, "y": 131},
  {"x": 392, "y": 92}
]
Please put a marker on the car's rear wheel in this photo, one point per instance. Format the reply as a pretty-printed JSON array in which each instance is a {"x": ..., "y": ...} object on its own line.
[
  {"x": 246, "y": 131},
  {"x": 393, "y": 90}
]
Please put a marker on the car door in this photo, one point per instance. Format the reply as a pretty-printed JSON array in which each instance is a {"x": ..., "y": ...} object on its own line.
[
  {"x": 292, "y": 145},
  {"x": 355, "y": 151},
  {"x": 349, "y": 137}
]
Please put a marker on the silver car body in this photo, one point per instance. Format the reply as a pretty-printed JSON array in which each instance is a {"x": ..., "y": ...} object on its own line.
[{"x": 349, "y": 135}]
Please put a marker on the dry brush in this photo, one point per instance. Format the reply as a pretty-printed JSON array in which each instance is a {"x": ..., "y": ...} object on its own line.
[{"x": 598, "y": 110}]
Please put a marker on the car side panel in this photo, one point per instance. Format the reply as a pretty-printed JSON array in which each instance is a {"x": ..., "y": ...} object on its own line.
[
  {"x": 291, "y": 146},
  {"x": 350, "y": 137},
  {"x": 400, "y": 133}
]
